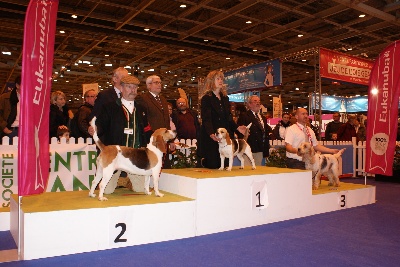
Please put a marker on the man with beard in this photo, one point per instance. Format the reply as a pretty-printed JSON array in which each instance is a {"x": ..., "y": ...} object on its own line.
[{"x": 185, "y": 120}]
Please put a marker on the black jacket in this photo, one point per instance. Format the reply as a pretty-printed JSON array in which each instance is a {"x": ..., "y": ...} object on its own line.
[
  {"x": 111, "y": 123},
  {"x": 258, "y": 138}
]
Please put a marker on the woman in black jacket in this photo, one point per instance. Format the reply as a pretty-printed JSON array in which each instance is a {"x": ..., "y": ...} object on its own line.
[{"x": 215, "y": 113}]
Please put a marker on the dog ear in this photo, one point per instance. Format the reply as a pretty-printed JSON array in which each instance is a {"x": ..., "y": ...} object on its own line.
[
  {"x": 228, "y": 139},
  {"x": 160, "y": 143},
  {"x": 312, "y": 153}
]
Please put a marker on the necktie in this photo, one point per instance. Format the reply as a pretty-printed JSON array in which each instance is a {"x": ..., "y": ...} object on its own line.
[{"x": 260, "y": 122}]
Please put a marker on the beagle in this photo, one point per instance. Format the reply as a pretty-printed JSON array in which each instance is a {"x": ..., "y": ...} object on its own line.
[
  {"x": 229, "y": 148},
  {"x": 141, "y": 161},
  {"x": 320, "y": 164}
]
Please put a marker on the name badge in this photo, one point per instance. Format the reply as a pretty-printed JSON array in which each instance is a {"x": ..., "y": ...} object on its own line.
[{"x": 128, "y": 131}]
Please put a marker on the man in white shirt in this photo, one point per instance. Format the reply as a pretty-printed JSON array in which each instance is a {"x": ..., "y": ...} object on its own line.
[{"x": 297, "y": 134}]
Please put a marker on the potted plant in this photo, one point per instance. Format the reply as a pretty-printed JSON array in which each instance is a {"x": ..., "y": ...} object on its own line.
[{"x": 277, "y": 157}]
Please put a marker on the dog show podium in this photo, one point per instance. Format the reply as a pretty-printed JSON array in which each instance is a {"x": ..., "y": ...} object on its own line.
[{"x": 197, "y": 202}]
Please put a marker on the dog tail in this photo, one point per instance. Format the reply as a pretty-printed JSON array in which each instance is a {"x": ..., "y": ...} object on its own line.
[
  {"x": 340, "y": 153},
  {"x": 96, "y": 138},
  {"x": 246, "y": 134}
]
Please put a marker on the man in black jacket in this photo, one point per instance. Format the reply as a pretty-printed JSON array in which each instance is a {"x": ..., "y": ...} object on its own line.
[
  {"x": 258, "y": 138},
  {"x": 124, "y": 122}
]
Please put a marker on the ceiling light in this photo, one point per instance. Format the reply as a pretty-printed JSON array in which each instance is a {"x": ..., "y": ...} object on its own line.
[
  {"x": 255, "y": 50},
  {"x": 127, "y": 67},
  {"x": 307, "y": 72},
  {"x": 74, "y": 16},
  {"x": 151, "y": 70},
  {"x": 62, "y": 31},
  {"x": 300, "y": 35},
  {"x": 6, "y": 53},
  {"x": 304, "y": 60},
  {"x": 350, "y": 48},
  {"x": 146, "y": 29},
  {"x": 205, "y": 40},
  {"x": 108, "y": 65},
  {"x": 182, "y": 50},
  {"x": 199, "y": 67},
  {"x": 126, "y": 41},
  {"x": 142, "y": 71},
  {"x": 297, "y": 88},
  {"x": 106, "y": 55},
  {"x": 90, "y": 65},
  {"x": 67, "y": 81},
  {"x": 182, "y": 6},
  {"x": 248, "y": 22},
  {"x": 228, "y": 58},
  {"x": 361, "y": 16}
]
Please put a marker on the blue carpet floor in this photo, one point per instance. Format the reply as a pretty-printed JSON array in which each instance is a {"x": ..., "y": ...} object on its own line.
[{"x": 362, "y": 236}]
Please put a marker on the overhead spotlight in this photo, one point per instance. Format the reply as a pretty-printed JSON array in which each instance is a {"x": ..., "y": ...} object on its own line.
[
  {"x": 182, "y": 6},
  {"x": 74, "y": 16},
  {"x": 361, "y": 15},
  {"x": 68, "y": 68},
  {"x": 300, "y": 35},
  {"x": 255, "y": 50},
  {"x": 205, "y": 40},
  {"x": 146, "y": 29},
  {"x": 350, "y": 48},
  {"x": 62, "y": 31},
  {"x": 249, "y": 22}
]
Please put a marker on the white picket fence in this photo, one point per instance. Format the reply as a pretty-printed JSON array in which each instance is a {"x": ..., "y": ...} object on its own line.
[{"x": 359, "y": 149}]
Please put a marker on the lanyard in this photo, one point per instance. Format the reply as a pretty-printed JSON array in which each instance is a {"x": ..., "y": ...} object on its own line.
[
  {"x": 126, "y": 113},
  {"x": 307, "y": 132}
]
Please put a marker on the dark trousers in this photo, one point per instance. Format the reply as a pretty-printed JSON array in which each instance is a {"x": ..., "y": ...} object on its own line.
[{"x": 295, "y": 164}]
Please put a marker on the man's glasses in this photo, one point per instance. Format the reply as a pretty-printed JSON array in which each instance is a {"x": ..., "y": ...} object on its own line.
[
  {"x": 157, "y": 82},
  {"x": 181, "y": 103}
]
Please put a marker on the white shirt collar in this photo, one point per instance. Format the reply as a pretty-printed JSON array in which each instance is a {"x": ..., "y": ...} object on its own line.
[{"x": 130, "y": 105}]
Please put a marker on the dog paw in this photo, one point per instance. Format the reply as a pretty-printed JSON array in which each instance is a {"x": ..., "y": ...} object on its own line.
[
  {"x": 315, "y": 187},
  {"x": 241, "y": 167},
  {"x": 253, "y": 168},
  {"x": 92, "y": 195},
  {"x": 103, "y": 198},
  {"x": 330, "y": 184},
  {"x": 221, "y": 169},
  {"x": 159, "y": 194},
  {"x": 229, "y": 169},
  {"x": 147, "y": 192}
]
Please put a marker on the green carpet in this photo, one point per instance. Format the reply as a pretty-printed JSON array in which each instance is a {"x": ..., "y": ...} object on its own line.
[
  {"x": 201, "y": 173},
  {"x": 55, "y": 201},
  {"x": 324, "y": 188}
]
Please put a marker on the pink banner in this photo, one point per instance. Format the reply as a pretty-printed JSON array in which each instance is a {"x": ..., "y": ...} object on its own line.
[
  {"x": 338, "y": 66},
  {"x": 383, "y": 100},
  {"x": 37, "y": 63}
]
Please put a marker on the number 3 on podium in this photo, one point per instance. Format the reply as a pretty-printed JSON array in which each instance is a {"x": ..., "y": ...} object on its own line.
[{"x": 259, "y": 195}]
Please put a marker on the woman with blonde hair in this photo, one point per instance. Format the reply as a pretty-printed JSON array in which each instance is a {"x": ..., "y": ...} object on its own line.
[
  {"x": 60, "y": 114},
  {"x": 215, "y": 113}
]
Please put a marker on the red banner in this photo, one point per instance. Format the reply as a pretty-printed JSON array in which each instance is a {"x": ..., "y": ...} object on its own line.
[
  {"x": 383, "y": 101},
  {"x": 338, "y": 66},
  {"x": 37, "y": 63}
]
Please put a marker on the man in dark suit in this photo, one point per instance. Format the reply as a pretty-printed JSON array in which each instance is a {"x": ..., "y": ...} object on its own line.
[
  {"x": 156, "y": 107},
  {"x": 258, "y": 138},
  {"x": 110, "y": 94},
  {"x": 155, "y": 104},
  {"x": 124, "y": 122}
]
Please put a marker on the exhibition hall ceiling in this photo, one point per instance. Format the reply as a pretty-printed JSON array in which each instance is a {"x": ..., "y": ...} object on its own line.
[{"x": 183, "y": 40}]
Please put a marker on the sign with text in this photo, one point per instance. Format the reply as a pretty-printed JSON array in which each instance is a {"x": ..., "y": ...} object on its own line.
[
  {"x": 383, "y": 102},
  {"x": 72, "y": 168},
  {"x": 37, "y": 71},
  {"x": 342, "y": 67}
]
